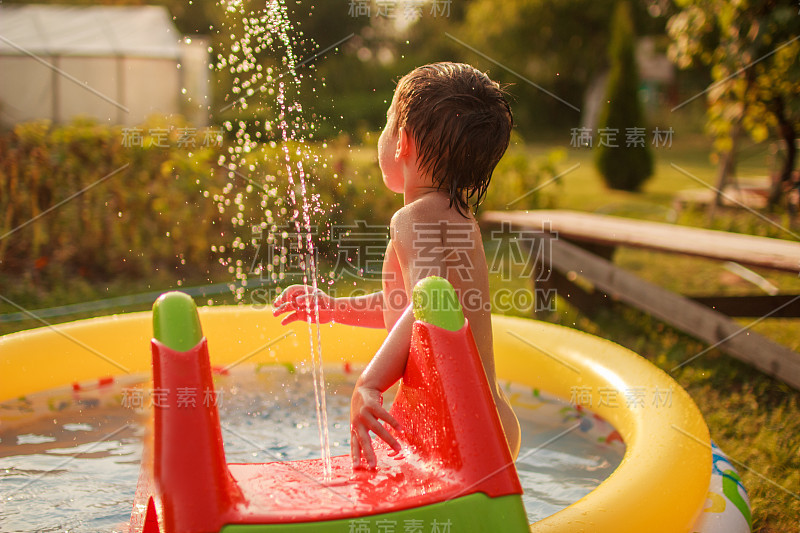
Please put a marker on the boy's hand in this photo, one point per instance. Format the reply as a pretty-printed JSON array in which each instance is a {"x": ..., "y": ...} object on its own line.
[
  {"x": 366, "y": 411},
  {"x": 300, "y": 301}
]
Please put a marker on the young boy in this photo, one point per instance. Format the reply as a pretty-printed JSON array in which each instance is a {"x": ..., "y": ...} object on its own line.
[{"x": 446, "y": 129}]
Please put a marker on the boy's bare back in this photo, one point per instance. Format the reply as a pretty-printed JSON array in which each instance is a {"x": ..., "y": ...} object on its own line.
[{"x": 428, "y": 237}]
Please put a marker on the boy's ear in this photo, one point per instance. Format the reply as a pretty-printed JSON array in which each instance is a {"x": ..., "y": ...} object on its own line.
[{"x": 403, "y": 145}]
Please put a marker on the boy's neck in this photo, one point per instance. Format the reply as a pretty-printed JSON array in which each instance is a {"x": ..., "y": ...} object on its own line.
[
  {"x": 410, "y": 196},
  {"x": 416, "y": 186}
]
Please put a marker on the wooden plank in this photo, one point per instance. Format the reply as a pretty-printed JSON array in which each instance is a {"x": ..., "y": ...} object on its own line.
[
  {"x": 618, "y": 231},
  {"x": 753, "y": 196},
  {"x": 779, "y": 305},
  {"x": 776, "y": 306},
  {"x": 691, "y": 317},
  {"x": 588, "y": 302}
]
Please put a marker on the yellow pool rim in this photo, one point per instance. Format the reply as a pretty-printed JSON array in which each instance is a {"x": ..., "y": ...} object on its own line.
[{"x": 660, "y": 485}]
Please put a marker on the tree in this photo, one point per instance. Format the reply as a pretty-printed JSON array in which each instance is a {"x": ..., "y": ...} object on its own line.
[
  {"x": 627, "y": 164},
  {"x": 556, "y": 44},
  {"x": 752, "y": 49}
]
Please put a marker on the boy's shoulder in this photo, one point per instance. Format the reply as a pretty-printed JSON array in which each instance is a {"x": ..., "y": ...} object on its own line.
[
  {"x": 429, "y": 215},
  {"x": 429, "y": 208}
]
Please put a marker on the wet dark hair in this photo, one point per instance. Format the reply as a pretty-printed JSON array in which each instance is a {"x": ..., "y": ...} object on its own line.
[{"x": 461, "y": 125}]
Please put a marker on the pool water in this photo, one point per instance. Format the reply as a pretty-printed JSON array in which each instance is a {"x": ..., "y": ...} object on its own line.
[{"x": 69, "y": 459}]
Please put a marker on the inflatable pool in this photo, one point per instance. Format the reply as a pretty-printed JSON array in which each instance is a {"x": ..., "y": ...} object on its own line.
[{"x": 670, "y": 479}]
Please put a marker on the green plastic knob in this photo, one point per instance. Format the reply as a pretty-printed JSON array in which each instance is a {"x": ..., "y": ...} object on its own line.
[
  {"x": 436, "y": 302},
  {"x": 175, "y": 321}
]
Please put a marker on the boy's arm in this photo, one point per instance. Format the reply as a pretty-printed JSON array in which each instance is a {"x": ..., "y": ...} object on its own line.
[
  {"x": 298, "y": 301},
  {"x": 389, "y": 363},
  {"x": 366, "y": 405},
  {"x": 365, "y": 311}
]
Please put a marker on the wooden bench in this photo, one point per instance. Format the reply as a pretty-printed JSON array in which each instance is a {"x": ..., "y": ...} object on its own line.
[
  {"x": 572, "y": 244},
  {"x": 613, "y": 231}
]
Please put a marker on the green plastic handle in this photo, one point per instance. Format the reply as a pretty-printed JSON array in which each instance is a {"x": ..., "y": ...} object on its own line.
[
  {"x": 436, "y": 302},
  {"x": 175, "y": 321}
]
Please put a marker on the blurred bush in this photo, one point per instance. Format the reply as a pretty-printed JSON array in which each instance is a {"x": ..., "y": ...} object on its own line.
[
  {"x": 85, "y": 200},
  {"x": 519, "y": 181}
]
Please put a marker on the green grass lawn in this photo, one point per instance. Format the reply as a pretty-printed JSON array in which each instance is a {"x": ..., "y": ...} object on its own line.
[{"x": 754, "y": 418}]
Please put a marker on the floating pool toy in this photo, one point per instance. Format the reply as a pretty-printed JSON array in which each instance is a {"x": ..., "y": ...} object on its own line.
[
  {"x": 727, "y": 504},
  {"x": 664, "y": 482}
]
